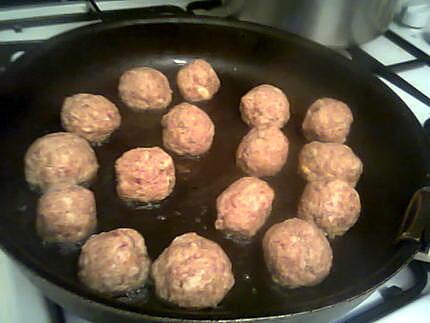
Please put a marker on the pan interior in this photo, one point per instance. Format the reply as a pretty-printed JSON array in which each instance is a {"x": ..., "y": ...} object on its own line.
[{"x": 384, "y": 135}]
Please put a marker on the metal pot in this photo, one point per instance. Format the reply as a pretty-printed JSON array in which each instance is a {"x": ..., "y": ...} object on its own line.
[{"x": 334, "y": 23}]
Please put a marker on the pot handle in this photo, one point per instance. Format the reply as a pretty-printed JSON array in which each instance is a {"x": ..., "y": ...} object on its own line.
[
  {"x": 169, "y": 8},
  {"x": 139, "y": 13},
  {"x": 416, "y": 220}
]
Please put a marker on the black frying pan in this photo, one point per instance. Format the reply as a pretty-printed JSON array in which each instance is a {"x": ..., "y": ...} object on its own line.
[{"x": 385, "y": 135}]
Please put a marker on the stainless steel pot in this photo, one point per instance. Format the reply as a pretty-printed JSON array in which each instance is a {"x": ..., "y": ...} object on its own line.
[{"x": 335, "y": 23}]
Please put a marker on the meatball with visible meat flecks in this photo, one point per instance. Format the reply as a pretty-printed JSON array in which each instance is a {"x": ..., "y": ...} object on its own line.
[
  {"x": 114, "y": 262},
  {"x": 327, "y": 120},
  {"x": 187, "y": 130},
  {"x": 66, "y": 213},
  {"x": 297, "y": 253},
  {"x": 334, "y": 206},
  {"x": 265, "y": 105},
  {"x": 319, "y": 161},
  {"x": 197, "y": 81},
  {"x": 144, "y": 88},
  {"x": 193, "y": 272},
  {"x": 60, "y": 157},
  {"x": 92, "y": 117},
  {"x": 244, "y": 206},
  {"x": 145, "y": 175},
  {"x": 262, "y": 152}
]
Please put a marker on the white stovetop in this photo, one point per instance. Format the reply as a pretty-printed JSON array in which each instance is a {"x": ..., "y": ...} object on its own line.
[{"x": 20, "y": 301}]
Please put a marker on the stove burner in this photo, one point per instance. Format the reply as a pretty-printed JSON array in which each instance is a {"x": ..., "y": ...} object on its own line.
[{"x": 394, "y": 297}]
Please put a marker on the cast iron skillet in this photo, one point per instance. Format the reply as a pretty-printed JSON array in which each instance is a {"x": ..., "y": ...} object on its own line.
[{"x": 385, "y": 135}]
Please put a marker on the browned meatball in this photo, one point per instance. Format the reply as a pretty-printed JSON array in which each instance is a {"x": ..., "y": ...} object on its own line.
[
  {"x": 327, "y": 120},
  {"x": 265, "y": 105},
  {"x": 297, "y": 253},
  {"x": 114, "y": 262},
  {"x": 333, "y": 205},
  {"x": 92, "y": 117},
  {"x": 66, "y": 213},
  {"x": 144, "y": 88},
  {"x": 319, "y": 160},
  {"x": 187, "y": 130},
  {"x": 193, "y": 272},
  {"x": 60, "y": 157},
  {"x": 197, "y": 81},
  {"x": 262, "y": 152},
  {"x": 145, "y": 175},
  {"x": 244, "y": 207}
]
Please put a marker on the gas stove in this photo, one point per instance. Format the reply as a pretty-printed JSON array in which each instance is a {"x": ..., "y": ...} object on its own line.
[{"x": 400, "y": 58}]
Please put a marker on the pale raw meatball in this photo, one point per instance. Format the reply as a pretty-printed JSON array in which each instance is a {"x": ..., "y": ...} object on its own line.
[
  {"x": 193, "y": 272},
  {"x": 262, "y": 152},
  {"x": 265, "y": 105},
  {"x": 145, "y": 175},
  {"x": 114, "y": 262},
  {"x": 297, "y": 253},
  {"x": 66, "y": 213},
  {"x": 197, "y": 81},
  {"x": 60, "y": 157},
  {"x": 187, "y": 130},
  {"x": 319, "y": 161},
  {"x": 92, "y": 117},
  {"x": 244, "y": 206},
  {"x": 144, "y": 88},
  {"x": 334, "y": 206},
  {"x": 327, "y": 120}
]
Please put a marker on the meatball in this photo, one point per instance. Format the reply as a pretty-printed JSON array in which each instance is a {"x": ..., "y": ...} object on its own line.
[
  {"x": 193, "y": 272},
  {"x": 114, "y": 262},
  {"x": 144, "y": 88},
  {"x": 197, "y": 81},
  {"x": 92, "y": 117},
  {"x": 265, "y": 105},
  {"x": 327, "y": 120},
  {"x": 333, "y": 205},
  {"x": 244, "y": 207},
  {"x": 60, "y": 157},
  {"x": 262, "y": 152},
  {"x": 145, "y": 175},
  {"x": 66, "y": 213},
  {"x": 297, "y": 253},
  {"x": 187, "y": 130},
  {"x": 329, "y": 161}
]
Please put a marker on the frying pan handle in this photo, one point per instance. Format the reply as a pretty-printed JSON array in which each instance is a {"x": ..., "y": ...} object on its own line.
[{"x": 416, "y": 221}]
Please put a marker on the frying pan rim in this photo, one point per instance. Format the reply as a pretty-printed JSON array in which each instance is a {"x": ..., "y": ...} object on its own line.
[{"x": 28, "y": 57}]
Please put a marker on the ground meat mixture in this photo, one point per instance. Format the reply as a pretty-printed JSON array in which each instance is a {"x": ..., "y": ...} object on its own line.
[
  {"x": 197, "y": 81},
  {"x": 262, "y": 152},
  {"x": 319, "y": 161},
  {"x": 92, "y": 117},
  {"x": 244, "y": 206},
  {"x": 66, "y": 213},
  {"x": 144, "y": 88},
  {"x": 60, "y": 157},
  {"x": 297, "y": 253},
  {"x": 333, "y": 205},
  {"x": 114, "y": 262},
  {"x": 145, "y": 175},
  {"x": 265, "y": 105},
  {"x": 193, "y": 272},
  {"x": 327, "y": 120},
  {"x": 187, "y": 130}
]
